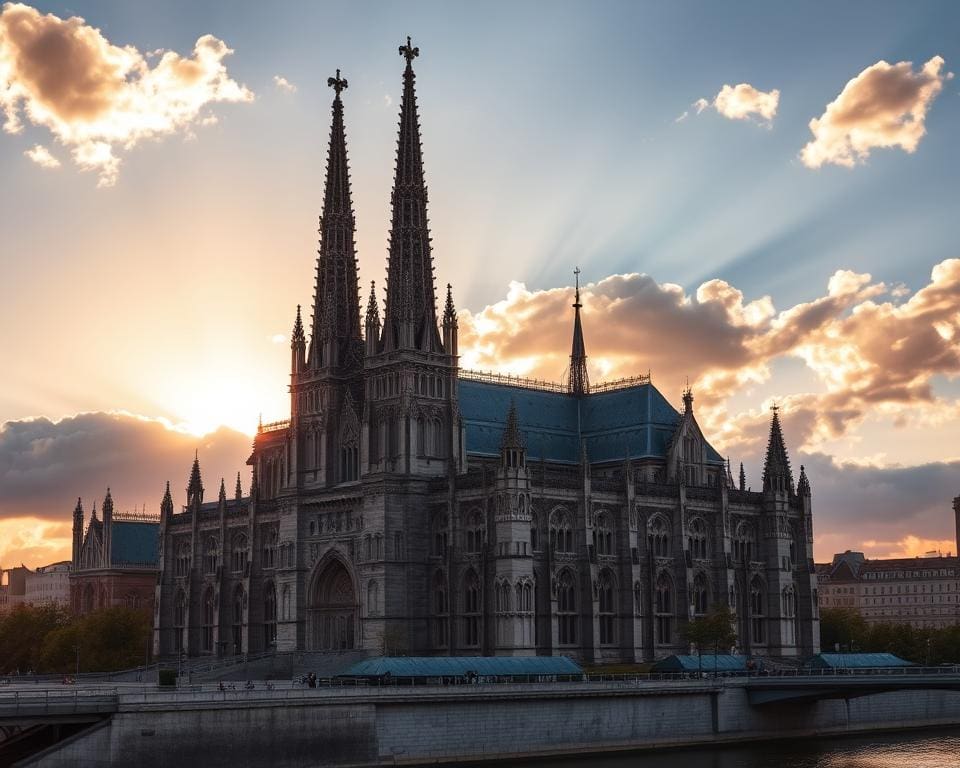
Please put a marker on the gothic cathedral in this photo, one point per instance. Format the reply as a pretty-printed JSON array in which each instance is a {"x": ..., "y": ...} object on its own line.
[{"x": 410, "y": 506}]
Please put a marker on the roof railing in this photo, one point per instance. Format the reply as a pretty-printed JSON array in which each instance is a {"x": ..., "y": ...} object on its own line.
[
  {"x": 506, "y": 379},
  {"x": 137, "y": 517},
  {"x": 273, "y": 426}
]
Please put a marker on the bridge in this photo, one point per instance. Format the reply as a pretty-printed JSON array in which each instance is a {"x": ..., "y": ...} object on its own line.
[
  {"x": 847, "y": 684},
  {"x": 366, "y": 723}
]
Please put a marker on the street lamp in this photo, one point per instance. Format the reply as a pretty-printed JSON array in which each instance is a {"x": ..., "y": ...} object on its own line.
[{"x": 76, "y": 648}]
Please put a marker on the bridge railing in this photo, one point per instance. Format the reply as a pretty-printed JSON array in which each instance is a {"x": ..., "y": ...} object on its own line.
[{"x": 52, "y": 701}]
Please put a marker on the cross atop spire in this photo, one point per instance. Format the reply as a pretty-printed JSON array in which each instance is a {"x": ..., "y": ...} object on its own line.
[
  {"x": 579, "y": 383},
  {"x": 408, "y": 52},
  {"x": 337, "y": 83}
]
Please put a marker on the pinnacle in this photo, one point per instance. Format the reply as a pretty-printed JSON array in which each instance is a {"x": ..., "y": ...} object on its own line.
[
  {"x": 449, "y": 311},
  {"x": 777, "y": 474},
  {"x": 297, "y": 337},
  {"x": 511, "y": 433}
]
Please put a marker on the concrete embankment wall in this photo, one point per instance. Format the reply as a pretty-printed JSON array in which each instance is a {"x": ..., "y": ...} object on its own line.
[{"x": 294, "y": 729}]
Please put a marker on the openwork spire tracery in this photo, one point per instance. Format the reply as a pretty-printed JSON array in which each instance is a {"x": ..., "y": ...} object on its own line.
[
  {"x": 410, "y": 318},
  {"x": 336, "y": 306}
]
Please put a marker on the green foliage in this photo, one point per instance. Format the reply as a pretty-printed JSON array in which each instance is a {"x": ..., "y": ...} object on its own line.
[
  {"x": 22, "y": 632},
  {"x": 167, "y": 677},
  {"x": 45, "y": 640},
  {"x": 844, "y": 627},
  {"x": 848, "y": 629},
  {"x": 715, "y": 631}
]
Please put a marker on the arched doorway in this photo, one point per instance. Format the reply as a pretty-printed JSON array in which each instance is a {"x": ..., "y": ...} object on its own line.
[{"x": 332, "y": 611}]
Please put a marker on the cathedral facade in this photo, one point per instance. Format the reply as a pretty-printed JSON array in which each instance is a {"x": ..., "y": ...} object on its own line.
[{"x": 410, "y": 506}]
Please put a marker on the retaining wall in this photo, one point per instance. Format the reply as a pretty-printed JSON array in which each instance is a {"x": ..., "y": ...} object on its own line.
[{"x": 372, "y": 726}]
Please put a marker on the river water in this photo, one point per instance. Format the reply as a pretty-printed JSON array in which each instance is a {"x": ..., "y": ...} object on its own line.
[{"x": 905, "y": 749}]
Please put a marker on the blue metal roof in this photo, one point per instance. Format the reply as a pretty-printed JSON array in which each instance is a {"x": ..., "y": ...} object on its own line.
[
  {"x": 722, "y": 662},
  {"x": 134, "y": 543},
  {"x": 857, "y": 660},
  {"x": 634, "y": 422},
  {"x": 458, "y": 666}
]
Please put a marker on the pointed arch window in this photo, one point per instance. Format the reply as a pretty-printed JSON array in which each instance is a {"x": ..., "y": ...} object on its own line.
[
  {"x": 789, "y": 608},
  {"x": 269, "y": 616},
  {"x": 441, "y": 610},
  {"x": 373, "y": 598},
  {"x": 236, "y": 629},
  {"x": 561, "y": 532},
  {"x": 471, "y": 610},
  {"x": 757, "y": 610},
  {"x": 240, "y": 555},
  {"x": 439, "y": 540},
  {"x": 608, "y": 603},
  {"x": 285, "y": 603},
  {"x": 271, "y": 538},
  {"x": 664, "y": 609},
  {"x": 658, "y": 537},
  {"x": 744, "y": 543},
  {"x": 697, "y": 539},
  {"x": 474, "y": 532},
  {"x": 211, "y": 549},
  {"x": 604, "y": 535},
  {"x": 699, "y": 595},
  {"x": 179, "y": 620},
  {"x": 566, "y": 608},
  {"x": 182, "y": 561},
  {"x": 209, "y": 612}
]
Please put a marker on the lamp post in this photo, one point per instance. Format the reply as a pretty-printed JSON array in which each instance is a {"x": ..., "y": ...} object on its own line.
[{"x": 76, "y": 648}]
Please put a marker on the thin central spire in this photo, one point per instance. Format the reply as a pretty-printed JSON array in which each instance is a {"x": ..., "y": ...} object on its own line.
[
  {"x": 410, "y": 318},
  {"x": 336, "y": 306},
  {"x": 579, "y": 383}
]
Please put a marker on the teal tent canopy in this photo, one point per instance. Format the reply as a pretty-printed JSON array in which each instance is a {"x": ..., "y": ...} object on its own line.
[
  {"x": 459, "y": 666},
  {"x": 708, "y": 662},
  {"x": 856, "y": 661}
]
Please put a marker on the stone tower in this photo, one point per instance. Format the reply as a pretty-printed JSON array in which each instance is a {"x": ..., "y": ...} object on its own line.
[
  {"x": 326, "y": 390},
  {"x": 411, "y": 425}
]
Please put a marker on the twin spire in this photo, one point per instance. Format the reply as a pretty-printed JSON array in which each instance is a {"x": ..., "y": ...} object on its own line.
[{"x": 410, "y": 318}]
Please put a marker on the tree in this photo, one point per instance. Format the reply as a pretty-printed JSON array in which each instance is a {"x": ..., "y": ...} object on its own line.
[
  {"x": 713, "y": 632},
  {"x": 22, "y": 632},
  {"x": 843, "y": 627}
]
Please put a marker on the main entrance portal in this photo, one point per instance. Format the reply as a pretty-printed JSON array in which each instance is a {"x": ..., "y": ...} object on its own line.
[{"x": 332, "y": 611}]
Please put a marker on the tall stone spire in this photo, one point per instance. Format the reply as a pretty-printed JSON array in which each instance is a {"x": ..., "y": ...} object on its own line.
[
  {"x": 238, "y": 492},
  {"x": 372, "y": 322},
  {"x": 777, "y": 475},
  {"x": 579, "y": 382},
  {"x": 743, "y": 478},
  {"x": 410, "y": 319},
  {"x": 335, "y": 336}
]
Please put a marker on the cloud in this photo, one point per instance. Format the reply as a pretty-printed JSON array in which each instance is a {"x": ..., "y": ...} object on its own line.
[
  {"x": 283, "y": 84},
  {"x": 97, "y": 98},
  {"x": 870, "y": 352},
  {"x": 884, "y": 106},
  {"x": 45, "y": 465},
  {"x": 882, "y": 511},
  {"x": 741, "y": 102},
  {"x": 42, "y": 157}
]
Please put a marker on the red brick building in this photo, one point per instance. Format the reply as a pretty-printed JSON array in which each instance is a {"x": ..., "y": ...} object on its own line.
[{"x": 115, "y": 561}]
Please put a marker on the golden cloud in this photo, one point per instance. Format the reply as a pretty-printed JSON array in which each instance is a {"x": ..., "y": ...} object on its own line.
[
  {"x": 96, "y": 97},
  {"x": 741, "y": 102},
  {"x": 884, "y": 106}
]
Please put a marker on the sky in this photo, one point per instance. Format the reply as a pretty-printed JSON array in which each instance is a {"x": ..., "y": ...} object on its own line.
[{"x": 761, "y": 198}]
